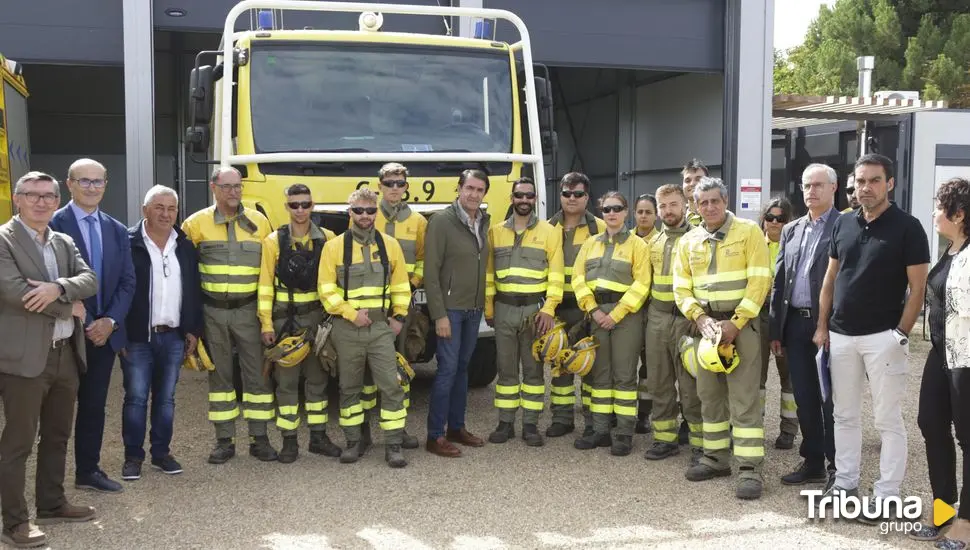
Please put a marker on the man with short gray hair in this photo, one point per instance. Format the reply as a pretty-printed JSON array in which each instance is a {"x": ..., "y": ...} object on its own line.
[{"x": 164, "y": 325}]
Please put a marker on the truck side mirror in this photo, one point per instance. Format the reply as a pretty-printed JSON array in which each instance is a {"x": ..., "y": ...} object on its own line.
[
  {"x": 201, "y": 95},
  {"x": 197, "y": 139},
  {"x": 544, "y": 99}
]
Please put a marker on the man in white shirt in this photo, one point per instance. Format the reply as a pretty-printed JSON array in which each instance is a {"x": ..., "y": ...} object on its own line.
[{"x": 163, "y": 326}]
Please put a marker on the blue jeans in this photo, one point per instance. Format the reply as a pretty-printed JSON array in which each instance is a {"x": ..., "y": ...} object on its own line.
[
  {"x": 449, "y": 393},
  {"x": 151, "y": 366},
  {"x": 814, "y": 417}
]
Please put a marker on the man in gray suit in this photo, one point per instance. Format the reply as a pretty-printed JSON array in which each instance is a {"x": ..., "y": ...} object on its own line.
[
  {"x": 42, "y": 282},
  {"x": 800, "y": 269}
]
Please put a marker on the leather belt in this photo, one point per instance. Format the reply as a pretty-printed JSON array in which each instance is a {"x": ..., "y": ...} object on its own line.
[
  {"x": 302, "y": 309},
  {"x": 569, "y": 301},
  {"x": 802, "y": 312},
  {"x": 162, "y": 328},
  {"x": 518, "y": 299},
  {"x": 607, "y": 297},
  {"x": 720, "y": 315},
  {"x": 227, "y": 304},
  {"x": 666, "y": 307},
  {"x": 57, "y": 344}
]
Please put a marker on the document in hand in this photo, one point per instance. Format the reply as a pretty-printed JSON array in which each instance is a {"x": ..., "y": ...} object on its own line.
[{"x": 824, "y": 374}]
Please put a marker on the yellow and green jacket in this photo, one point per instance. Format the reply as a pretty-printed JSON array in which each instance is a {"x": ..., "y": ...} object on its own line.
[
  {"x": 408, "y": 228},
  {"x": 572, "y": 241},
  {"x": 618, "y": 264},
  {"x": 723, "y": 271},
  {"x": 524, "y": 263},
  {"x": 229, "y": 251},
  {"x": 272, "y": 292},
  {"x": 663, "y": 252},
  {"x": 366, "y": 277}
]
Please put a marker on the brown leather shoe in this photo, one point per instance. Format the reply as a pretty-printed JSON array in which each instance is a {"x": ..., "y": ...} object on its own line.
[
  {"x": 442, "y": 447},
  {"x": 68, "y": 513},
  {"x": 25, "y": 535},
  {"x": 465, "y": 437}
]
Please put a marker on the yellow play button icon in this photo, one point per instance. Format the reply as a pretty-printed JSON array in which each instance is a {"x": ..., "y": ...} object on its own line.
[{"x": 942, "y": 512}]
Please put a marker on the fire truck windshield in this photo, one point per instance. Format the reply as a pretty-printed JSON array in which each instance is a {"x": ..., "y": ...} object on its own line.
[{"x": 318, "y": 97}]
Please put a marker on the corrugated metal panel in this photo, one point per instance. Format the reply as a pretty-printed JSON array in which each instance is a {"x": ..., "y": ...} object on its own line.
[{"x": 796, "y": 111}]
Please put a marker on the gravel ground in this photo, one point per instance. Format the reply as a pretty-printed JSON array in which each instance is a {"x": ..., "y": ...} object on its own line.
[{"x": 500, "y": 496}]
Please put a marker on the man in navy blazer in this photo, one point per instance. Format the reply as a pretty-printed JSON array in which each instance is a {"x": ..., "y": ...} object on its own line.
[
  {"x": 103, "y": 242},
  {"x": 800, "y": 270}
]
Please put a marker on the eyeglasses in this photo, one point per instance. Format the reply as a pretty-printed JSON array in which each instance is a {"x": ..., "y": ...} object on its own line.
[
  {"x": 524, "y": 195},
  {"x": 773, "y": 218},
  {"x": 849, "y": 190},
  {"x": 89, "y": 182},
  {"x": 165, "y": 270},
  {"x": 32, "y": 198},
  {"x": 577, "y": 194},
  {"x": 613, "y": 208},
  {"x": 233, "y": 187},
  {"x": 394, "y": 183},
  {"x": 296, "y": 205},
  {"x": 360, "y": 210}
]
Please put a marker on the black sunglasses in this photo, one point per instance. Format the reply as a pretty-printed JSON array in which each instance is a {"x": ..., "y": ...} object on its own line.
[
  {"x": 370, "y": 210},
  {"x": 524, "y": 195},
  {"x": 306, "y": 205},
  {"x": 849, "y": 190},
  {"x": 773, "y": 218},
  {"x": 577, "y": 194},
  {"x": 394, "y": 183},
  {"x": 613, "y": 208}
]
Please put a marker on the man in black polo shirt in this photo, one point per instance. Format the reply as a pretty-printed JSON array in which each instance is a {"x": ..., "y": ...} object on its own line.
[{"x": 874, "y": 254}]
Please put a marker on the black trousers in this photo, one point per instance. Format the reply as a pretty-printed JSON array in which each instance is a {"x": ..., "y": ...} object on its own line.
[
  {"x": 814, "y": 416},
  {"x": 944, "y": 399}
]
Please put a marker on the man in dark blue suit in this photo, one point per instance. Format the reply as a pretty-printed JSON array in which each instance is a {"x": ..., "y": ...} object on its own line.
[
  {"x": 103, "y": 242},
  {"x": 800, "y": 269}
]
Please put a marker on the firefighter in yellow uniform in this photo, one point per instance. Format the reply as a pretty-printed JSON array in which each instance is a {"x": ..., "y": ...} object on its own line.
[
  {"x": 288, "y": 304},
  {"x": 364, "y": 285},
  {"x": 645, "y": 214},
  {"x": 523, "y": 286},
  {"x": 721, "y": 277},
  {"x": 229, "y": 239},
  {"x": 611, "y": 279},
  {"x": 665, "y": 326},
  {"x": 692, "y": 172},
  {"x": 396, "y": 219},
  {"x": 577, "y": 224}
]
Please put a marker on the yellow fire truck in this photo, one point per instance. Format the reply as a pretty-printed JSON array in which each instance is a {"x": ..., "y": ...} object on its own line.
[
  {"x": 14, "y": 142},
  {"x": 327, "y": 107}
]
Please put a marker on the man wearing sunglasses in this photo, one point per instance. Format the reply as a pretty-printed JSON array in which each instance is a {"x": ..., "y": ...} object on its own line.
[
  {"x": 229, "y": 238},
  {"x": 397, "y": 220},
  {"x": 103, "y": 242},
  {"x": 164, "y": 325},
  {"x": 523, "y": 286},
  {"x": 289, "y": 303},
  {"x": 363, "y": 283},
  {"x": 577, "y": 224},
  {"x": 850, "y": 194}
]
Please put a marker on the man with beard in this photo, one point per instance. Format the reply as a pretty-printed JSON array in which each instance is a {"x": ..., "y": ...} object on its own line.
[
  {"x": 364, "y": 285},
  {"x": 577, "y": 224},
  {"x": 523, "y": 286},
  {"x": 693, "y": 172}
]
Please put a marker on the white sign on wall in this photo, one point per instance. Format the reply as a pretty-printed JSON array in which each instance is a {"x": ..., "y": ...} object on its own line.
[{"x": 750, "y": 197}]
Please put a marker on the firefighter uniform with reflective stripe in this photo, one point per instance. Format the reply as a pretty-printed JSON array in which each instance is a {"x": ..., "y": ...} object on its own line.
[
  {"x": 612, "y": 274},
  {"x": 524, "y": 269},
  {"x": 789, "y": 416},
  {"x": 645, "y": 403},
  {"x": 408, "y": 227},
  {"x": 229, "y": 263},
  {"x": 275, "y": 302},
  {"x": 726, "y": 275},
  {"x": 665, "y": 326},
  {"x": 693, "y": 218},
  {"x": 563, "y": 388},
  {"x": 381, "y": 294}
]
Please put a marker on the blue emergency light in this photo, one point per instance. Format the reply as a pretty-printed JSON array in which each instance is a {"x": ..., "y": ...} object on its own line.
[
  {"x": 264, "y": 20},
  {"x": 483, "y": 28}
]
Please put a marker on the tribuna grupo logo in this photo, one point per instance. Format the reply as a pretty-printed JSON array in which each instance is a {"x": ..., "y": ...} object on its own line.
[{"x": 892, "y": 514}]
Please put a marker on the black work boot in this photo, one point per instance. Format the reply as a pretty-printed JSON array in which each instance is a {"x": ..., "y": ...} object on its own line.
[
  {"x": 223, "y": 451},
  {"x": 661, "y": 450},
  {"x": 622, "y": 445},
  {"x": 592, "y": 441},
  {"x": 290, "y": 450},
  {"x": 503, "y": 432},
  {"x": 320, "y": 444},
  {"x": 557, "y": 429},
  {"x": 365, "y": 439},
  {"x": 260, "y": 448},
  {"x": 643, "y": 416},
  {"x": 408, "y": 441},
  {"x": 351, "y": 453},
  {"x": 530, "y": 433},
  {"x": 394, "y": 457}
]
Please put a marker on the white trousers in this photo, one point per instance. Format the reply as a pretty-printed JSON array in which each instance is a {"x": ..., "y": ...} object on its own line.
[{"x": 885, "y": 361}]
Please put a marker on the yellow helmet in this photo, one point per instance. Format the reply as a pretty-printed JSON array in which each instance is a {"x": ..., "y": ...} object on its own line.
[
  {"x": 688, "y": 355},
  {"x": 199, "y": 360},
  {"x": 546, "y": 348},
  {"x": 577, "y": 359},
  {"x": 716, "y": 358},
  {"x": 404, "y": 371},
  {"x": 289, "y": 351}
]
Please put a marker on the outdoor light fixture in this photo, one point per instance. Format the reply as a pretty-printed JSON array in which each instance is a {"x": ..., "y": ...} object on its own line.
[{"x": 175, "y": 12}]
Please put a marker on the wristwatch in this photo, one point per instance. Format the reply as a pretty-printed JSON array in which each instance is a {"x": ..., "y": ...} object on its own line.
[
  {"x": 399, "y": 318},
  {"x": 114, "y": 325},
  {"x": 900, "y": 336}
]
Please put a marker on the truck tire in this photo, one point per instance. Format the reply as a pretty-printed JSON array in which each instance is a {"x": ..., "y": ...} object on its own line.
[{"x": 483, "y": 367}]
